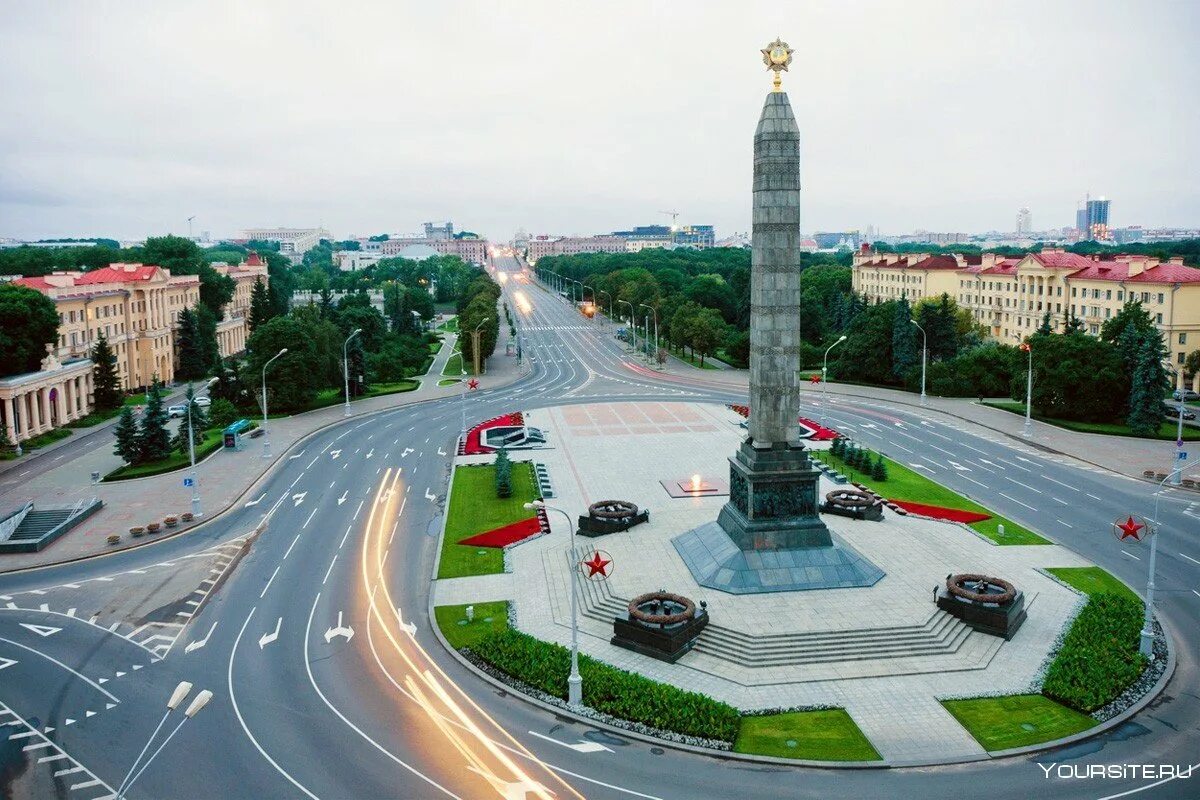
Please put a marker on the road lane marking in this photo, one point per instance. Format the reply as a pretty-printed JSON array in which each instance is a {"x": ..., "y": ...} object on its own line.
[
  {"x": 1131, "y": 555},
  {"x": 345, "y": 536},
  {"x": 1018, "y": 502},
  {"x": 360, "y": 505},
  {"x": 290, "y": 546},
  {"x": 1060, "y": 483},
  {"x": 1189, "y": 558},
  {"x": 328, "y": 571},
  {"x": 310, "y": 516},
  {"x": 268, "y": 586},
  {"x": 74, "y": 672}
]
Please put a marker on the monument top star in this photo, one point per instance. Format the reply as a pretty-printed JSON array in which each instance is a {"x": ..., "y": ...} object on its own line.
[{"x": 777, "y": 55}]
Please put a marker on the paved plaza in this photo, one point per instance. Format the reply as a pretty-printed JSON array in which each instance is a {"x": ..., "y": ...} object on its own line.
[{"x": 884, "y": 652}]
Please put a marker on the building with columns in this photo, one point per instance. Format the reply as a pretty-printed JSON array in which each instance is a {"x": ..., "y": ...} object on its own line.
[
  {"x": 1010, "y": 296},
  {"x": 136, "y": 307}
]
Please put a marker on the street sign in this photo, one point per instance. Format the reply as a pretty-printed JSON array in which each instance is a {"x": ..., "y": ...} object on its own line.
[
  {"x": 1182, "y": 455},
  {"x": 187, "y": 482}
]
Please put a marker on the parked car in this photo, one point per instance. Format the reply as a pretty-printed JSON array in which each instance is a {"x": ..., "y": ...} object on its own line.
[
  {"x": 204, "y": 401},
  {"x": 177, "y": 411},
  {"x": 1173, "y": 411},
  {"x": 1186, "y": 395}
]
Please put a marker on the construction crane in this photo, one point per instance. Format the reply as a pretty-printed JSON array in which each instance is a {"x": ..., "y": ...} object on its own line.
[{"x": 674, "y": 215}]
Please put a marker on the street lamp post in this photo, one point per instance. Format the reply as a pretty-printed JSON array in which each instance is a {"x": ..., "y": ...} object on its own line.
[
  {"x": 632, "y": 320},
  {"x": 924, "y": 356},
  {"x": 655, "y": 312},
  {"x": 192, "y": 448},
  {"x": 574, "y": 681},
  {"x": 825, "y": 376},
  {"x": 1177, "y": 473},
  {"x": 1147, "y": 638},
  {"x": 177, "y": 697},
  {"x": 593, "y": 288},
  {"x": 609, "y": 303},
  {"x": 346, "y": 367},
  {"x": 266, "y": 432},
  {"x": 1027, "y": 431}
]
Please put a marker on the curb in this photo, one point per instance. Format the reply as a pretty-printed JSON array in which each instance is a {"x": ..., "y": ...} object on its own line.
[{"x": 275, "y": 463}]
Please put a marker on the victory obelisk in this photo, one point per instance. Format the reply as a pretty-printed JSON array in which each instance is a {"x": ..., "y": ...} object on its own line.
[{"x": 772, "y": 504}]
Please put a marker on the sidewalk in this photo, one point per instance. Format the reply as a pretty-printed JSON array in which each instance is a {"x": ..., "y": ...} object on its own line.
[
  {"x": 1122, "y": 454},
  {"x": 224, "y": 477}
]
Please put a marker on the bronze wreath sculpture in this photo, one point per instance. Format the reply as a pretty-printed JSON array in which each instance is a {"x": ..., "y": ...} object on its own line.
[
  {"x": 956, "y": 585},
  {"x": 612, "y": 509},
  {"x": 850, "y": 498},
  {"x": 689, "y": 608}
]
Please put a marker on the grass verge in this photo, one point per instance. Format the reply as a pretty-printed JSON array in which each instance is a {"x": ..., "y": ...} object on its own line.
[
  {"x": 94, "y": 418},
  {"x": 1166, "y": 430},
  {"x": 999, "y": 723},
  {"x": 41, "y": 440},
  {"x": 826, "y": 735},
  {"x": 448, "y": 381},
  {"x": 212, "y": 442},
  {"x": 489, "y": 618},
  {"x": 695, "y": 361},
  {"x": 1091, "y": 580},
  {"x": 906, "y": 484},
  {"x": 474, "y": 508}
]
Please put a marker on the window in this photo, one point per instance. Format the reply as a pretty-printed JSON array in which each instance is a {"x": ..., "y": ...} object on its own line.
[
  {"x": 1060, "y": 291},
  {"x": 1107, "y": 312},
  {"x": 1181, "y": 358},
  {"x": 1161, "y": 297},
  {"x": 1072, "y": 292},
  {"x": 1108, "y": 295},
  {"x": 1158, "y": 318},
  {"x": 1183, "y": 338}
]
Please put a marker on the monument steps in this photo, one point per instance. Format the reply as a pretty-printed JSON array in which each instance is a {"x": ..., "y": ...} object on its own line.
[{"x": 940, "y": 634}]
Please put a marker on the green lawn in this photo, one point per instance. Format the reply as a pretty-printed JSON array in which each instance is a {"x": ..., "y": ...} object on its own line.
[
  {"x": 474, "y": 508},
  {"x": 41, "y": 440},
  {"x": 212, "y": 441},
  {"x": 1166, "y": 430},
  {"x": 999, "y": 723},
  {"x": 454, "y": 366},
  {"x": 906, "y": 484},
  {"x": 94, "y": 418},
  {"x": 448, "y": 381},
  {"x": 1091, "y": 580},
  {"x": 828, "y": 735},
  {"x": 724, "y": 356},
  {"x": 695, "y": 361},
  {"x": 435, "y": 346},
  {"x": 452, "y": 620},
  {"x": 449, "y": 325}
]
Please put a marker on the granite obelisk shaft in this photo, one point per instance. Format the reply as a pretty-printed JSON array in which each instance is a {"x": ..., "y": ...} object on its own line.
[{"x": 775, "y": 277}]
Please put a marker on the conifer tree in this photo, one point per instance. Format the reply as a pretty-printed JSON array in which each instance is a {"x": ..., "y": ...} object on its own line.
[
  {"x": 154, "y": 441},
  {"x": 905, "y": 352},
  {"x": 503, "y": 474},
  {"x": 879, "y": 470},
  {"x": 128, "y": 446},
  {"x": 260, "y": 305},
  {"x": 106, "y": 391},
  {"x": 1045, "y": 328},
  {"x": 193, "y": 360},
  {"x": 1148, "y": 386},
  {"x": 200, "y": 424}
]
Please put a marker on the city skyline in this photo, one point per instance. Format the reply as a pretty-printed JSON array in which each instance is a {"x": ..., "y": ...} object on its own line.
[{"x": 253, "y": 117}]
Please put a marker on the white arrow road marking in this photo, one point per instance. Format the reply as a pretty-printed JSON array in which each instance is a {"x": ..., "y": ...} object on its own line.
[
  {"x": 1026, "y": 460},
  {"x": 342, "y": 499},
  {"x": 429, "y": 495},
  {"x": 267, "y": 638},
  {"x": 511, "y": 791},
  {"x": 441, "y": 452},
  {"x": 411, "y": 627},
  {"x": 41, "y": 630},
  {"x": 6, "y": 662},
  {"x": 296, "y": 456},
  {"x": 254, "y": 502},
  {"x": 200, "y": 643},
  {"x": 299, "y": 498},
  {"x": 958, "y": 466},
  {"x": 334, "y": 453},
  {"x": 371, "y": 453},
  {"x": 581, "y": 747},
  {"x": 407, "y": 450},
  {"x": 339, "y": 630}
]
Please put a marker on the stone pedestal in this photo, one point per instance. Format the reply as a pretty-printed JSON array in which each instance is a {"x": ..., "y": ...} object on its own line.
[{"x": 773, "y": 499}]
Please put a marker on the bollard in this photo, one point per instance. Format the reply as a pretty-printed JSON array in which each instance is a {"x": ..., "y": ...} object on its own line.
[
  {"x": 1000, "y": 529},
  {"x": 470, "y": 613}
]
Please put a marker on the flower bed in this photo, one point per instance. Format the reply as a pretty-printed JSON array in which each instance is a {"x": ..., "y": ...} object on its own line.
[
  {"x": 940, "y": 512},
  {"x": 1099, "y": 656}
]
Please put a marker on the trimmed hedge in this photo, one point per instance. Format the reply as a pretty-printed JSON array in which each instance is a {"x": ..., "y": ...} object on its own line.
[
  {"x": 1099, "y": 656},
  {"x": 621, "y": 694}
]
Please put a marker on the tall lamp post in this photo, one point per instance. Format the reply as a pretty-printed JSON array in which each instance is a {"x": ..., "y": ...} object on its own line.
[
  {"x": 1027, "y": 431},
  {"x": 825, "y": 376},
  {"x": 654, "y": 311},
  {"x": 346, "y": 367},
  {"x": 609, "y": 303},
  {"x": 266, "y": 432},
  {"x": 1177, "y": 473},
  {"x": 586, "y": 287},
  {"x": 177, "y": 697},
  {"x": 574, "y": 681},
  {"x": 924, "y": 356},
  {"x": 192, "y": 449},
  {"x": 632, "y": 320},
  {"x": 1147, "y": 639}
]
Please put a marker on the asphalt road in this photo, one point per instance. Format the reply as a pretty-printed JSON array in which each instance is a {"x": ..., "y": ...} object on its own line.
[{"x": 304, "y": 611}]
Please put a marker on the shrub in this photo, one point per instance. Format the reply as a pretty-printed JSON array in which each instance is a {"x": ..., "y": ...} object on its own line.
[
  {"x": 1099, "y": 656},
  {"x": 624, "y": 695},
  {"x": 503, "y": 474},
  {"x": 222, "y": 413},
  {"x": 879, "y": 470},
  {"x": 838, "y": 447}
]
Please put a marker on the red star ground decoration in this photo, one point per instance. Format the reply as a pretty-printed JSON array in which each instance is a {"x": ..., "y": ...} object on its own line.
[
  {"x": 1130, "y": 530},
  {"x": 473, "y": 384},
  {"x": 597, "y": 565},
  {"x": 815, "y": 378}
]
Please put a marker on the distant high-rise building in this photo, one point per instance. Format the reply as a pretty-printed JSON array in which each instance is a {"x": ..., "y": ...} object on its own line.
[
  {"x": 1081, "y": 218},
  {"x": 434, "y": 230},
  {"x": 1024, "y": 220},
  {"x": 1091, "y": 218}
]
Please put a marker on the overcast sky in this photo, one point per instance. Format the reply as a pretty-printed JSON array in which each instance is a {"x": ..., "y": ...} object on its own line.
[{"x": 124, "y": 119}]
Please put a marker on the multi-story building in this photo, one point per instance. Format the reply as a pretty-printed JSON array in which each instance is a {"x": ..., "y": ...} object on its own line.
[
  {"x": 698, "y": 236},
  {"x": 1010, "y": 296},
  {"x": 570, "y": 245},
  {"x": 1024, "y": 221},
  {"x": 470, "y": 249},
  {"x": 354, "y": 260},
  {"x": 439, "y": 230},
  {"x": 293, "y": 242},
  {"x": 136, "y": 307}
]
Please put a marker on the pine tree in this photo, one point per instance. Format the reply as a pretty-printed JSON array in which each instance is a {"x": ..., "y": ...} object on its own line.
[
  {"x": 838, "y": 446},
  {"x": 503, "y": 474},
  {"x": 260, "y": 305},
  {"x": 106, "y": 392},
  {"x": 193, "y": 360},
  {"x": 905, "y": 352},
  {"x": 210, "y": 348},
  {"x": 129, "y": 447},
  {"x": 179, "y": 442},
  {"x": 1074, "y": 324},
  {"x": 154, "y": 441},
  {"x": 1045, "y": 328},
  {"x": 1149, "y": 382},
  {"x": 879, "y": 470}
]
